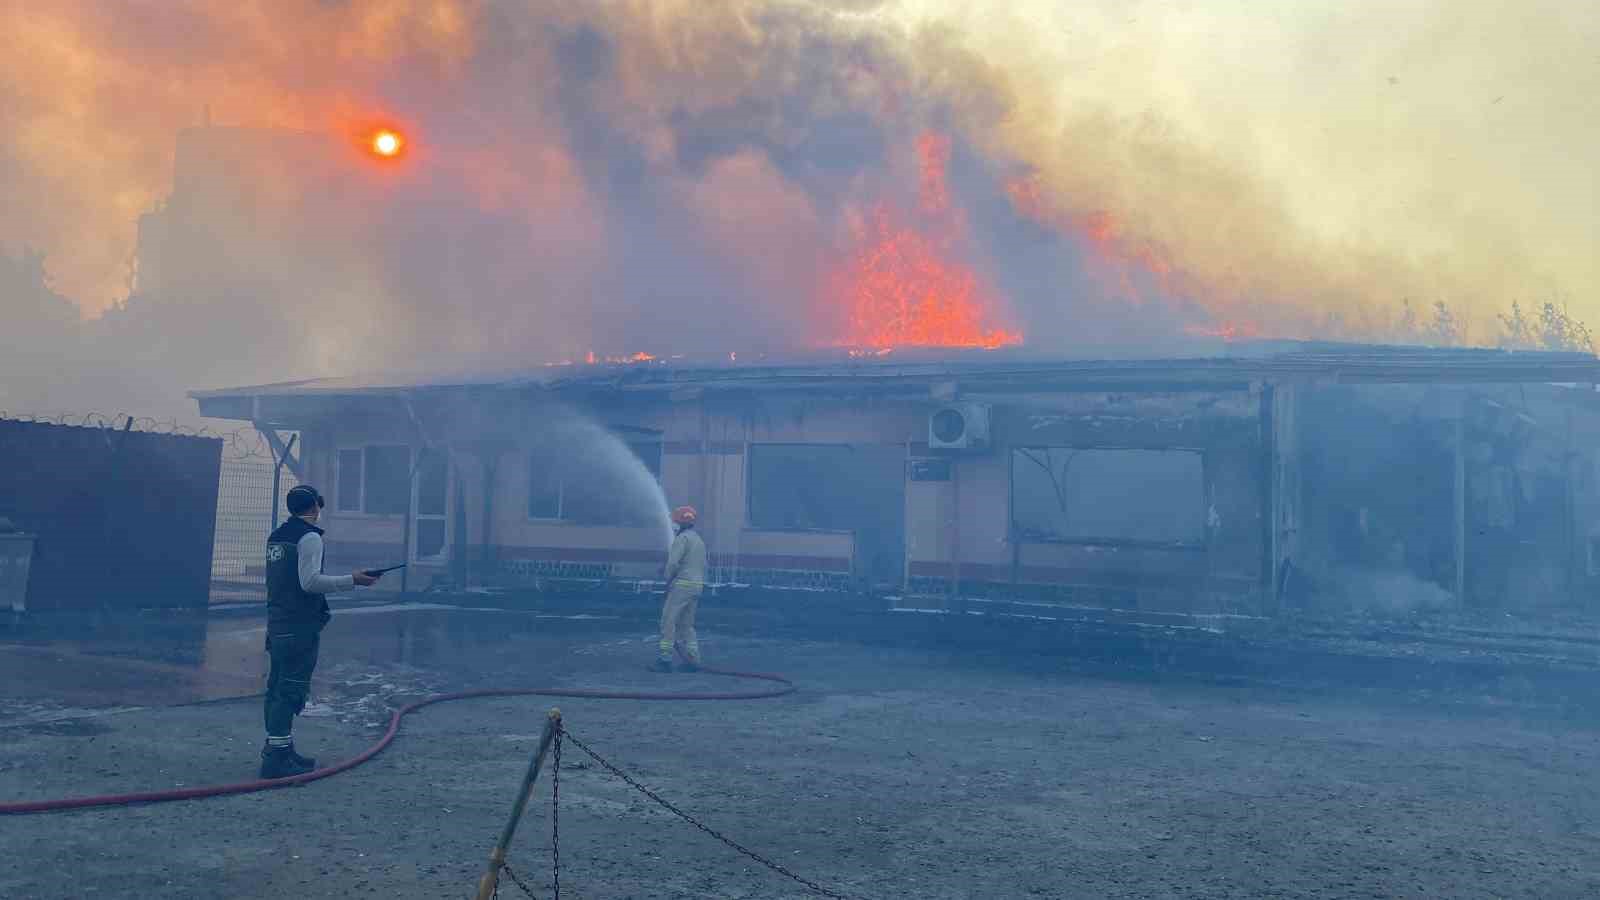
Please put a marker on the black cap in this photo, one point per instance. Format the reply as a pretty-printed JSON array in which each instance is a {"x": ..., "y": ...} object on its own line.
[{"x": 303, "y": 498}]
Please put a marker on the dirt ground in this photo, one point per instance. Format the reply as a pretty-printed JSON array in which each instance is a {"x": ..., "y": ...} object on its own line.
[{"x": 891, "y": 773}]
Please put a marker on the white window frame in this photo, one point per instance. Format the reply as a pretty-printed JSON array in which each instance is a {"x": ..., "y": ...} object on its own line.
[
  {"x": 561, "y": 491},
  {"x": 362, "y": 513},
  {"x": 418, "y": 516}
]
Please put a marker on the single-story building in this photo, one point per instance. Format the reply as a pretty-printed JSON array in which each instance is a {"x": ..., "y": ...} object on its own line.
[{"x": 1278, "y": 477}]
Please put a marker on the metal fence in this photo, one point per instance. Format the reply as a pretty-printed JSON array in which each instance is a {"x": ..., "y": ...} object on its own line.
[
  {"x": 245, "y": 512},
  {"x": 245, "y": 504},
  {"x": 123, "y": 512}
]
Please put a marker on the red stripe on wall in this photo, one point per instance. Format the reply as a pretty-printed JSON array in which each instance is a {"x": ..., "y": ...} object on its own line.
[
  {"x": 581, "y": 554},
  {"x": 1110, "y": 578},
  {"x": 794, "y": 563},
  {"x": 694, "y": 448},
  {"x": 623, "y": 555}
]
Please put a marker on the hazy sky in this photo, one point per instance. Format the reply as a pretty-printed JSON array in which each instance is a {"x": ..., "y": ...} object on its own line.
[
  {"x": 1279, "y": 163},
  {"x": 1441, "y": 146}
]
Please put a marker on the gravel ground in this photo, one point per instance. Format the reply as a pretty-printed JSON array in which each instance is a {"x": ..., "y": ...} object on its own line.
[{"x": 891, "y": 773}]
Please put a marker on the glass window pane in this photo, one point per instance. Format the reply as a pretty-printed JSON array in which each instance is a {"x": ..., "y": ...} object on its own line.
[
  {"x": 387, "y": 480},
  {"x": 806, "y": 486},
  {"x": 431, "y": 483},
  {"x": 1066, "y": 494},
  {"x": 649, "y": 453},
  {"x": 349, "y": 486},
  {"x": 430, "y": 538},
  {"x": 544, "y": 487}
]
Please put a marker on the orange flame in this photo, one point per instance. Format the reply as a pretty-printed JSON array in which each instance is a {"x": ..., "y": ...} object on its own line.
[
  {"x": 904, "y": 288},
  {"x": 1227, "y": 331},
  {"x": 592, "y": 358},
  {"x": 1133, "y": 270}
]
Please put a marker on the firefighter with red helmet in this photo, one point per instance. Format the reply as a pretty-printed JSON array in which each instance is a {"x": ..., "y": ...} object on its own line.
[{"x": 686, "y": 580}]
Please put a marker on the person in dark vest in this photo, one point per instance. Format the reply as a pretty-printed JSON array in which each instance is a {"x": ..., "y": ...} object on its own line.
[{"x": 297, "y": 610}]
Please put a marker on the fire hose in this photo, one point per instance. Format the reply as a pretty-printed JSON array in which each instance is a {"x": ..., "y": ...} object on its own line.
[{"x": 784, "y": 686}]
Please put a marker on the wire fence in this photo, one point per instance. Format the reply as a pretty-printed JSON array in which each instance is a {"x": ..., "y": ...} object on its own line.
[
  {"x": 246, "y": 511},
  {"x": 241, "y": 444},
  {"x": 245, "y": 503}
]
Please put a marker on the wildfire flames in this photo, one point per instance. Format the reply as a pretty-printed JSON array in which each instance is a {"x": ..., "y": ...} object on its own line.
[
  {"x": 1125, "y": 268},
  {"x": 904, "y": 286}
]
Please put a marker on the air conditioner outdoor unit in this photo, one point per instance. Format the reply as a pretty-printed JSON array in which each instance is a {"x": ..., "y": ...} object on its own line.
[{"x": 959, "y": 426}]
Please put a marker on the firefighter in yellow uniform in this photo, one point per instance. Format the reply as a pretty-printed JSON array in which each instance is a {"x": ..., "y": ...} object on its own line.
[{"x": 686, "y": 580}]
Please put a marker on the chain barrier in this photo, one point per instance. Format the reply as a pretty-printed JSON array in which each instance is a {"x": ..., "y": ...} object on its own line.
[
  {"x": 609, "y": 767},
  {"x": 239, "y": 445},
  {"x": 555, "y": 813},
  {"x": 516, "y": 880}
]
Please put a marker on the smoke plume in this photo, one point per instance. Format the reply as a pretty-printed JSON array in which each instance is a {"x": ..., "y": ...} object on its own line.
[{"x": 684, "y": 177}]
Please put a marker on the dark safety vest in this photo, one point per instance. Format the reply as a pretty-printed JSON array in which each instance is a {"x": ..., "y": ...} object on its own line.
[{"x": 289, "y": 605}]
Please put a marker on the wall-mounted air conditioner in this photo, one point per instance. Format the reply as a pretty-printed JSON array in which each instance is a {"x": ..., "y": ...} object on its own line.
[{"x": 959, "y": 426}]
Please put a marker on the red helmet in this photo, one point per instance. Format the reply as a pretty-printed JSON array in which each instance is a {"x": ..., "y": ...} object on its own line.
[{"x": 683, "y": 515}]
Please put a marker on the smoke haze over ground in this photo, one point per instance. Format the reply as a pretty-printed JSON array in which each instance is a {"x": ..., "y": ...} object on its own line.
[{"x": 715, "y": 177}]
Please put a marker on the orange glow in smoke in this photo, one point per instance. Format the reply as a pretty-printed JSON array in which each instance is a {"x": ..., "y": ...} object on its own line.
[
  {"x": 592, "y": 358},
  {"x": 1132, "y": 270},
  {"x": 1227, "y": 331},
  {"x": 905, "y": 287},
  {"x": 1117, "y": 260}
]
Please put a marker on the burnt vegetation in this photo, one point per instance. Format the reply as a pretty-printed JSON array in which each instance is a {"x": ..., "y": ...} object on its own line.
[{"x": 1548, "y": 326}]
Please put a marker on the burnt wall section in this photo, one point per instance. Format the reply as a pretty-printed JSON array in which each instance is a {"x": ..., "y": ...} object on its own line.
[
  {"x": 124, "y": 519},
  {"x": 1416, "y": 500},
  {"x": 1143, "y": 501},
  {"x": 1530, "y": 498},
  {"x": 1308, "y": 498},
  {"x": 1377, "y": 525}
]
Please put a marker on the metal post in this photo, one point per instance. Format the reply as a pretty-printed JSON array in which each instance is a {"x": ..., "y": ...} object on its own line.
[
  {"x": 955, "y": 602},
  {"x": 491, "y": 462},
  {"x": 277, "y": 478},
  {"x": 1271, "y": 556},
  {"x": 1460, "y": 517},
  {"x": 497, "y": 857}
]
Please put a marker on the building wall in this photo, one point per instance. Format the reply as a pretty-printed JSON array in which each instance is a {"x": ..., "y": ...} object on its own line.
[
  {"x": 965, "y": 519},
  {"x": 1411, "y": 499}
]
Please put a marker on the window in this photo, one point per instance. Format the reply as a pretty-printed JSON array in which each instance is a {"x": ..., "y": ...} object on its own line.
[
  {"x": 596, "y": 488},
  {"x": 856, "y": 489},
  {"x": 1077, "y": 495},
  {"x": 386, "y": 481},
  {"x": 432, "y": 494},
  {"x": 819, "y": 487},
  {"x": 349, "y": 487}
]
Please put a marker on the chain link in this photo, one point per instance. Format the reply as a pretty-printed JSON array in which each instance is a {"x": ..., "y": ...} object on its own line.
[
  {"x": 516, "y": 880},
  {"x": 555, "y": 812},
  {"x": 606, "y": 764}
]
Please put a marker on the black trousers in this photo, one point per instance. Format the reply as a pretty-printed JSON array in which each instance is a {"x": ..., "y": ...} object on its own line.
[{"x": 294, "y": 658}]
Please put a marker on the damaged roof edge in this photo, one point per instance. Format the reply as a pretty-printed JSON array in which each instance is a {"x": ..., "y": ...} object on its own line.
[{"x": 1313, "y": 364}]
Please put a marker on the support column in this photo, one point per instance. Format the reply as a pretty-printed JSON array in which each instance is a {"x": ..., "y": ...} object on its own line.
[
  {"x": 1269, "y": 471},
  {"x": 1460, "y": 530}
]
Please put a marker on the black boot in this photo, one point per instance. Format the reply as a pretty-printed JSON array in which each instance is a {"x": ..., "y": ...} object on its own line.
[
  {"x": 310, "y": 762},
  {"x": 282, "y": 762}
]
